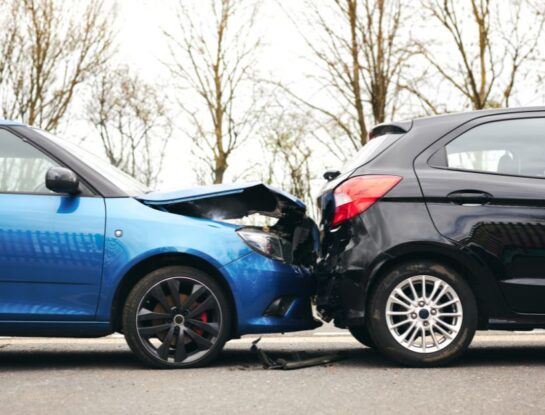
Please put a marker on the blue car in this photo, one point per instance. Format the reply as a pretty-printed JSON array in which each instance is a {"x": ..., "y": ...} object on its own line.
[{"x": 86, "y": 250}]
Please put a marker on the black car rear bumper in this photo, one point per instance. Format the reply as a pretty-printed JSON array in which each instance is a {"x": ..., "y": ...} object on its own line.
[
  {"x": 343, "y": 274},
  {"x": 356, "y": 252}
]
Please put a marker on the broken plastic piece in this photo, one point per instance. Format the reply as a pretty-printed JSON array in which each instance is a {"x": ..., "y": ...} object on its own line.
[{"x": 299, "y": 362}]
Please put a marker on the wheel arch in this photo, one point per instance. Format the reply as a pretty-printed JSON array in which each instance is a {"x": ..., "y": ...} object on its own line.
[
  {"x": 149, "y": 264},
  {"x": 476, "y": 276}
]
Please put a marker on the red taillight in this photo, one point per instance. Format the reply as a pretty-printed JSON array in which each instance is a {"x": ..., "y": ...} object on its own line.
[{"x": 357, "y": 194}]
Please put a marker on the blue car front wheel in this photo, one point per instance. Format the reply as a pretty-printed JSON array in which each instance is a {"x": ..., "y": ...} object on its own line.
[{"x": 176, "y": 317}]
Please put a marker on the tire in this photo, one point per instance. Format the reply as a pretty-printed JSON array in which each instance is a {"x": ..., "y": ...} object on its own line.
[
  {"x": 168, "y": 331},
  {"x": 422, "y": 331},
  {"x": 361, "y": 334}
]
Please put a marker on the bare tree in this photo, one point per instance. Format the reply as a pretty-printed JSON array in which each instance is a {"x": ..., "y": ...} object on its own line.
[
  {"x": 132, "y": 121},
  {"x": 47, "y": 50},
  {"x": 286, "y": 135},
  {"x": 362, "y": 53},
  {"x": 491, "y": 44},
  {"x": 213, "y": 55}
]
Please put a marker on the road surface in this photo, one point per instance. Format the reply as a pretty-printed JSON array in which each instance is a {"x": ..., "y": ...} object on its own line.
[{"x": 501, "y": 373}]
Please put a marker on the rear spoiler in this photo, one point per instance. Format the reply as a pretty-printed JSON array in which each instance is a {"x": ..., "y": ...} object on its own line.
[{"x": 400, "y": 127}]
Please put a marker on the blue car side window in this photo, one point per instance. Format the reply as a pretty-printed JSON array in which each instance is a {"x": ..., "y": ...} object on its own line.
[{"x": 22, "y": 166}]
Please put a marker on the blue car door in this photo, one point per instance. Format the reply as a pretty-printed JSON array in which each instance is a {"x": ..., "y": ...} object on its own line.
[{"x": 51, "y": 245}]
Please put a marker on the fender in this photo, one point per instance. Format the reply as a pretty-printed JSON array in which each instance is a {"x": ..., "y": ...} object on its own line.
[
  {"x": 475, "y": 273},
  {"x": 147, "y": 261}
]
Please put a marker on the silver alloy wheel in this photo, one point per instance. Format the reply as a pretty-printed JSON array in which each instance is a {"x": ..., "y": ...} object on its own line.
[{"x": 424, "y": 314}]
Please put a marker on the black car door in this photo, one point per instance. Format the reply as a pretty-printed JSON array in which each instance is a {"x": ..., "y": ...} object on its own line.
[{"x": 484, "y": 185}]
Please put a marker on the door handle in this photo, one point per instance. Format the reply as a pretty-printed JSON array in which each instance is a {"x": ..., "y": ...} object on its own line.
[{"x": 469, "y": 197}]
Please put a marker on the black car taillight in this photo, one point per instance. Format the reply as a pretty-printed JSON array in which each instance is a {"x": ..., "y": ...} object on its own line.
[{"x": 359, "y": 193}]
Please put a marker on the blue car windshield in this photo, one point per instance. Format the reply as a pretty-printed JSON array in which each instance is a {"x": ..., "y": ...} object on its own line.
[{"x": 119, "y": 178}]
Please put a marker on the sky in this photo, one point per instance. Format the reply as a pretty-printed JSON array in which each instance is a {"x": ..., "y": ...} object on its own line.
[
  {"x": 142, "y": 45},
  {"x": 284, "y": 57}
]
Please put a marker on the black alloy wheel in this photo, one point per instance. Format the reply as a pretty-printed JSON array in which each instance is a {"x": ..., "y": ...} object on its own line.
[{"x": 176, "y": 317}]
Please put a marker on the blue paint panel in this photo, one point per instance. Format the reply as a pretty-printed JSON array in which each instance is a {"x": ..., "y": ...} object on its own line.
[
  {"x": 51, "y": 253},
  {"x": 257, "y": 281},
  {"x": 57, "y": 264},
  {"x": 213, "y": 190},
  {"x": 148, "y": 232}
]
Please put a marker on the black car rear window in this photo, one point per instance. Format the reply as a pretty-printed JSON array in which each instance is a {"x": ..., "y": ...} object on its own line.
[{"x": 369, "y": 151}]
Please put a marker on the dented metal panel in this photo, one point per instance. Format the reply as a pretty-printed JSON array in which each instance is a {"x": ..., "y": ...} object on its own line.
[{"x": 227, "y": 201}]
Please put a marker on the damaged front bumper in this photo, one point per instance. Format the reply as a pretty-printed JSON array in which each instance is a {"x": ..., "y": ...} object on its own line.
[
  {"x": 274, "y": 284},
  {"x": 277, "y": 296}
]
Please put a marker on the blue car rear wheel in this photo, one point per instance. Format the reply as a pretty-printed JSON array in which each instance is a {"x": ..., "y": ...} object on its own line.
[{"x": 176, "y": 317}]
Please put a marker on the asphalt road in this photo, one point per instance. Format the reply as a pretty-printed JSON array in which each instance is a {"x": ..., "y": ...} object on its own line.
[{"x": 501, "y": 373}]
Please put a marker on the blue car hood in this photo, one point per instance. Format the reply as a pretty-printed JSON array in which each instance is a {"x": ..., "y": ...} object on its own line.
[{"x": 227, "y": 201}]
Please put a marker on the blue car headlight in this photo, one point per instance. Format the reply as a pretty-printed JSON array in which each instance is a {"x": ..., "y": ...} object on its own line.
[{"x": 266, "y": 243}]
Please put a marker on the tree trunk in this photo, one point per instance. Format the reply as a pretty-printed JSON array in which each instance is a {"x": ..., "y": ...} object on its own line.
[{"x": 356, "y": 88}]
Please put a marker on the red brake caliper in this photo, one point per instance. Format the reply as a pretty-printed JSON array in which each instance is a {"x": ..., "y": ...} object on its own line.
[{"x": 204, "y": 318}]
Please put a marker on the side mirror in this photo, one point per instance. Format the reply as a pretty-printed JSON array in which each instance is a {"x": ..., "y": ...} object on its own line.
[
  {"x": 331, "y": 174},
  {"x": 62, "y": 180}
]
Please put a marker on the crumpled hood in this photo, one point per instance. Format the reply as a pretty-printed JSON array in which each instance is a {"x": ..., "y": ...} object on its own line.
[{"x": 227, "y": 201}]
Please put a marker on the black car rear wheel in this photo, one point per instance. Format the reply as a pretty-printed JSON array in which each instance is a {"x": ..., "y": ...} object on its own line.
[
  {"x": 361, "y": 334},
  {"x": 423, "y": 314},
  {"x": 176, "y": 317}
]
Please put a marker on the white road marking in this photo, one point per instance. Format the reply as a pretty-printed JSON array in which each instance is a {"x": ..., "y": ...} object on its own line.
[
  {"x": 315, "y": 338},
  {"x": 293, "y": 338}
]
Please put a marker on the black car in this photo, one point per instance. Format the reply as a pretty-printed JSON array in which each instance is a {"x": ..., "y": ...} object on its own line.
[{"x": 437, "y": 229}]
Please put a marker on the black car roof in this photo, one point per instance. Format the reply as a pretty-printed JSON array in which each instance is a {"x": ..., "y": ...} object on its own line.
[
  {"x": 423, "y": 132},
  {"x": 460, "y": 117},
  {"x": 448, "y": 120}
]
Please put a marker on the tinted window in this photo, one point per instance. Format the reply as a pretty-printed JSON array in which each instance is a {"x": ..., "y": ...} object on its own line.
[
  {"x": 511, "y": 147},
  {"x": 370, "y": 150},
  {"x": 22, "y": 166}
]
